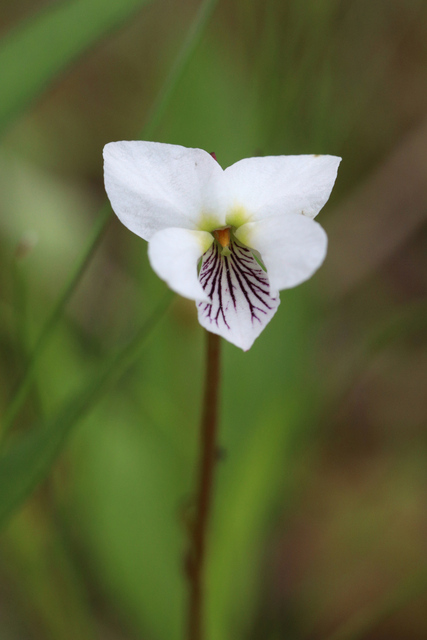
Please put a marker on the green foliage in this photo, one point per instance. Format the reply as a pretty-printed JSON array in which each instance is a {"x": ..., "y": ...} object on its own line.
[
  {"x": 36, "y": 52},
  {"x": 27, "y": 462},
  {"x": 263, "y": 430}
]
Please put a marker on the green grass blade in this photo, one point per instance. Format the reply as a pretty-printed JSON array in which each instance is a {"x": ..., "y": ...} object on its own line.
[
  {"x": 27, "y": 462},
  {"x": 36, "y": 52},
  {"x": 192, "y": 39},
  {"x": 188, "y": 47},
  {"x": 50, "y": 324}
]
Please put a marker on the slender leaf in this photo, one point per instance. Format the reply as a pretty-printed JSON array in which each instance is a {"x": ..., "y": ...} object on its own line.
[
  {"x": 159, "y": 107},
  {"x": 27, "y": 462}
]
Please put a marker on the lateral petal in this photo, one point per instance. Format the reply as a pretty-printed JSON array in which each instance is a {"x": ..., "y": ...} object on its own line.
[
  {"x": 263, "y": 187},
  {"x": 174, "y": 255},
  {"x": 240, "y": 300},
  {"x": 152, "y": 186},
  {"x": 292, "y": 247}
]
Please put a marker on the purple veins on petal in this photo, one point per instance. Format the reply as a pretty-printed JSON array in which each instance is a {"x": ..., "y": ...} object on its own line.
[{"x": 238, "y": 290}]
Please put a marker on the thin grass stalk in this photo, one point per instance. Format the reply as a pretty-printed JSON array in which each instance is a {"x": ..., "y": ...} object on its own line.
[{"x": 159, "y": 108}]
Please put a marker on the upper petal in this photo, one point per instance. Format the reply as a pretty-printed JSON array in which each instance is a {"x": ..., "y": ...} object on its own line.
[
  {"x": 174, "y": 255},
  {"x": 292, "y": 184},
  {"x": 292, "y": 247},
  {"x": 152, "y": 186}
]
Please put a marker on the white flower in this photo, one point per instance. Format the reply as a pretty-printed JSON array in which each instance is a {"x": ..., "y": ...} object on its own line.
[{"x": 229, "y": 239}]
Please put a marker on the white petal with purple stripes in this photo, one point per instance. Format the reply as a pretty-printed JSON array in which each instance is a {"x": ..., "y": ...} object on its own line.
[
  {"x": 189, "y": 210},
  {"x": 240, "y": 301}
]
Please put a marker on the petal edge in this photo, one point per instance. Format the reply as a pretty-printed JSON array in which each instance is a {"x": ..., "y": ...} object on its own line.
[
  {"x": 292, "y": 247},
  {"x": 174, "y": 255}
]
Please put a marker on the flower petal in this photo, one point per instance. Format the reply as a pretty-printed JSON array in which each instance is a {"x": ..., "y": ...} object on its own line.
[
  {"x": 263, "y": 187},
  {"x": 240, "y": 300},
  {"x": 152, "y": 186},
  {"x": 174, "y": 255},
  {"x": 292, "y": 247}
]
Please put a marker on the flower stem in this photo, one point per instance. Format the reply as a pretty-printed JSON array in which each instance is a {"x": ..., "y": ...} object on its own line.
[{"x": 209, "y": 423}]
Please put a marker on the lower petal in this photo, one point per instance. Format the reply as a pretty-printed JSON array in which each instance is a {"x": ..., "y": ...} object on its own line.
[
  {"x": 292, "y": 247},
  {"x": 174, "y": 255},
  {"x": 240, "y": 301}
]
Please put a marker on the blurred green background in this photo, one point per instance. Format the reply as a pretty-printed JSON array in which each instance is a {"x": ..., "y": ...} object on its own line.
[{"x": 320, "y": 523}]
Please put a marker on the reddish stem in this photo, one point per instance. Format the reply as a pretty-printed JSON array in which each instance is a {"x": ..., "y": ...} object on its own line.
[{"x": 209, "y": 422}]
